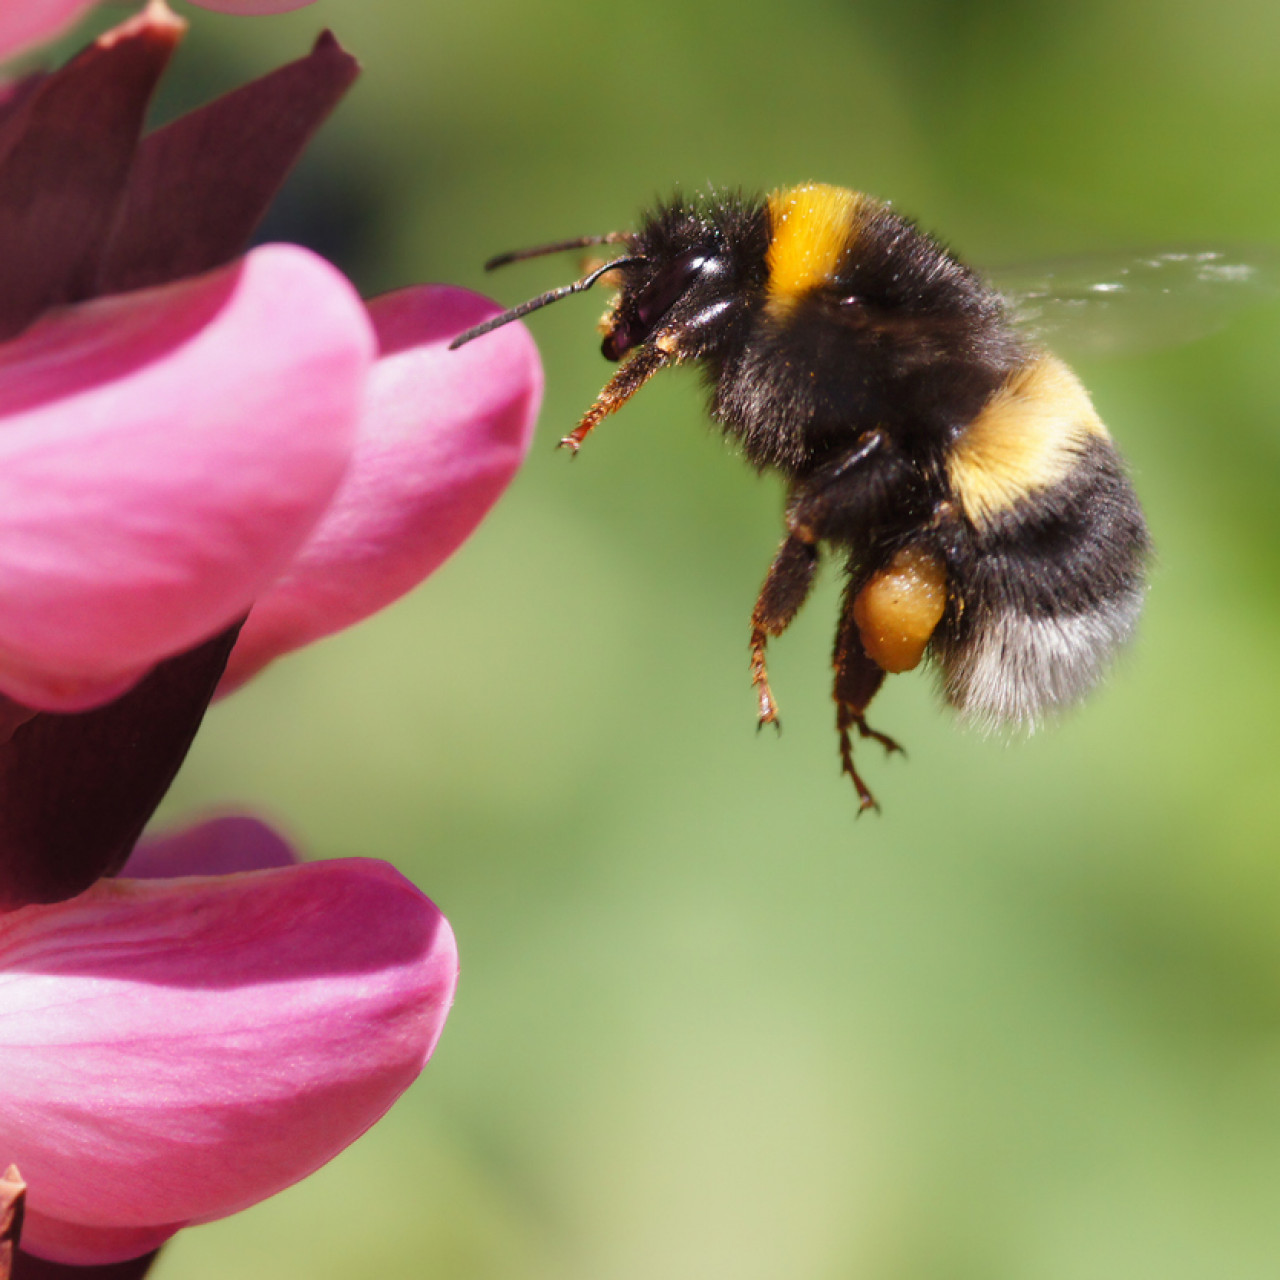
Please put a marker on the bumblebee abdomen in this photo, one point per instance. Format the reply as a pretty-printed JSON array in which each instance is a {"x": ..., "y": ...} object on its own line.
[{"x": 1049, "y": 576}]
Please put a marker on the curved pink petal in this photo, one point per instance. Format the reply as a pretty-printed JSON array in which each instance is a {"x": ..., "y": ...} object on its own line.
[
  {"x": 441, "y": 435},
  {"x": 173, "y": 1051},
  {"x": 220, "y": 846},
  {"x": 27, "y": 22},
  {"x": 163, "y": 455}
]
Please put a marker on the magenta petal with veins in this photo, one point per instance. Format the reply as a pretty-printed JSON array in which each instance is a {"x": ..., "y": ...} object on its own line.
[
  {"x": 172, "y": 1051},
  {"x": 164, "y": 454}
]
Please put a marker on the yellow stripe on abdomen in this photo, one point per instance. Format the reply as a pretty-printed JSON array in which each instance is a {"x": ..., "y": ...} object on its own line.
[
  {"x": 811, "y": 229},
  {"x": 1026, "y": 438}
]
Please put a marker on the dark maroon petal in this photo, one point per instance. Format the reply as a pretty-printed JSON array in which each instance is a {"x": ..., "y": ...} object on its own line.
[
  {"x": 13, "y": 98},
  {"x": 12, "y": 715},
  {"x": 200, "y": 185},
  {"x": 67, "y": 150},
  {"x": 28, "y": 1268},
  {"x": 76, "y": 790}
]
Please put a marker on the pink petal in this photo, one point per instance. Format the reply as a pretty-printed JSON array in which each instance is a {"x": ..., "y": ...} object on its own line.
[
  {"x": 27, "y": 22},
  {"x": 173, "y": 1051},
  {"x": 441, "y": 435},
  {"x": 163, "y": 454},
  {"x": 217, "y": 847}
]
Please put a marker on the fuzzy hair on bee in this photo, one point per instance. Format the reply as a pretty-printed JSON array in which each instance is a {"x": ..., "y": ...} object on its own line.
[{"x": 983, "y": 515}]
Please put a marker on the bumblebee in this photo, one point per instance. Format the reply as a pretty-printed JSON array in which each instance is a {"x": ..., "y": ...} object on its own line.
[{"x": 983, "y": 515}]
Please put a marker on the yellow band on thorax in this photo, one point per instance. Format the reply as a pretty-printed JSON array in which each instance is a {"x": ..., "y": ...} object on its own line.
[{"x": 812, "y": 228}]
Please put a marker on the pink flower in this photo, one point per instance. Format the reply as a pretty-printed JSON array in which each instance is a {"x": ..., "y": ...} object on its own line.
[
  {"x": 188, "y": 436},
  {"x": 191, "y": 435},
  {"x": 166, "y": 453},
  {"x": 329, "y": 459},
  {"x": 173, "y": 1050}
]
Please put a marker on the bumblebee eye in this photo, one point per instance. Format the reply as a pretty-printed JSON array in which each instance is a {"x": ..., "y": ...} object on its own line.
[
  {"x": 653, "y": 302},
  {"x": 666, "y": 287},
  {"x": 853, "y": 300}
]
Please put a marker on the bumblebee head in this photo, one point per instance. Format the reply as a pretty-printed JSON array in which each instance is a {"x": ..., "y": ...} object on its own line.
[
  {"x": 683, "y": 298},
  {"x": 678, "y": 291}
]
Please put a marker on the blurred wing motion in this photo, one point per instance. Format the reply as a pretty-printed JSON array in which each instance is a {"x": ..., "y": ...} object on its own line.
[{"x": 1123, "y": 304}]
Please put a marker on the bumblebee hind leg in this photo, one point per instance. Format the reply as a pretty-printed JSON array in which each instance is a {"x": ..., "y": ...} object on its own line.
[
  {"x": 786, "y": 587},
  {"x": 858, "y": 680}
]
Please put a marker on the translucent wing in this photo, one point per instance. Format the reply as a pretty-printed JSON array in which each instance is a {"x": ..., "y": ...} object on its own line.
[{"x": 1123, "y": 304}]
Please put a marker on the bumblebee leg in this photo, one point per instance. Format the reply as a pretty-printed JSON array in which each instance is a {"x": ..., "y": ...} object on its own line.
[
  {"x": 844, "y": 719},
  {"x": 634, "y": 373},
  {"x": 889, "y": 744},
  {"x": 785, "y": 588},
  {"x": 859, "y": 483},
  {"x": 858, "y": 679}
]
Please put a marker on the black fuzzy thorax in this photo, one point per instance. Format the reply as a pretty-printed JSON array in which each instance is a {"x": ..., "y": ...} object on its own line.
[{"x": 903, "y": 337}]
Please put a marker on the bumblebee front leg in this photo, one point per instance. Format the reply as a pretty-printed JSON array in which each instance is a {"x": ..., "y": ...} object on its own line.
[
  {"x": 858, "y": 679},
  {"x": 786, "y": 586},
  {"x": 636, "y": 370}
]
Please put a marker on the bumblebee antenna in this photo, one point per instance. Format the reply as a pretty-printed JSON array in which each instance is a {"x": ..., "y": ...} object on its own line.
[
  {"x": 560, "y": 246},
  {"x": 536, "y": 304}
]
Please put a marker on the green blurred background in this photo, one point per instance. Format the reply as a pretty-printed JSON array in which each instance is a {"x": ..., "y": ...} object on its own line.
[{"x": 1026, "y": 1024}]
